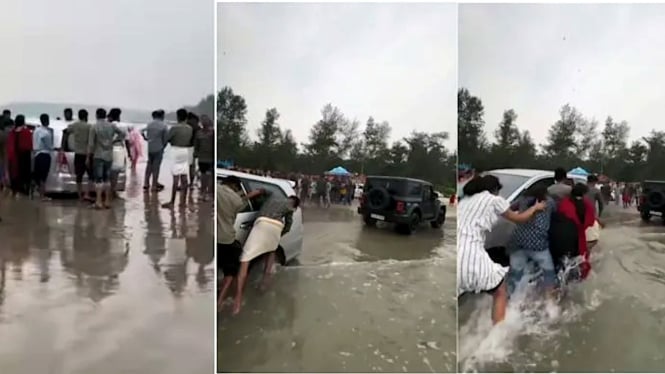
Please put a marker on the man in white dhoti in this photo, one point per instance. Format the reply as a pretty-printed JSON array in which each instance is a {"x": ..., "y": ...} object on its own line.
[
  {"x": 273, "y": 221},
  {"x": 180, "y": 137}
]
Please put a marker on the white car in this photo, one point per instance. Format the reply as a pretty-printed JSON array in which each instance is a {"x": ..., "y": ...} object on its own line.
[
  {"x": 515, "y": 182},
  {"x": 61, "y": 177},
  {"x": 290, "y": 247}
]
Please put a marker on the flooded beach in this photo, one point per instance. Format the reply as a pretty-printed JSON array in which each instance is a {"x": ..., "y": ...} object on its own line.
[
  {"x": 613, "y": 322},
  {"x": 369, "y": 299},
  {"x": 125, "y": 290}
]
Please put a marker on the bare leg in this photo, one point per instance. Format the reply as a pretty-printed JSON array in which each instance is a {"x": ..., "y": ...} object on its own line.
[
  {"x": 183, "y": 190},
  {"x": 500, "y": 296},
  {"x": 174, "y": 190},
  {"x": 240, "y": 285},
  {"x": 109, "y": 195},
  {"x": 226, "y": 285},
  {"x": 267, "y": 270},
  {"x": 99, "y": 189}
]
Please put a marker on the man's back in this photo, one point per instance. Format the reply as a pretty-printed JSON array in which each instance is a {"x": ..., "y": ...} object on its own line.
[
  {"x": 102, "y": 137},
  {"x": 156, "y": 133},
  {"x": 180, "y": 135},
  {"x": 78, "y": 136}
]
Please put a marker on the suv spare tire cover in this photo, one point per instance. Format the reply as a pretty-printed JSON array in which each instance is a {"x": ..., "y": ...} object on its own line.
[
  {"x": 378, "y": 198},
  {"x": 656, "y": 199}
]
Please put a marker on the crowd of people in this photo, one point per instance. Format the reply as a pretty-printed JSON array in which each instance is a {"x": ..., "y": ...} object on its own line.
[
  {"x": 100, "y": 150},
  {"x": 556, "y": 228},
  {"x": 318, "y": 190}
]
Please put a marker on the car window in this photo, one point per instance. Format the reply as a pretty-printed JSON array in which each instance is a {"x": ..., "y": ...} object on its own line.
[
  {"x": 415, "y": 189},
  {"x": 393, "y": 186},
  {"x": 257, "y": 202},
  {"x": 545, "y": 182},
  {"x": 428, "y": 193},
  {"x": 510, "y": 183}
]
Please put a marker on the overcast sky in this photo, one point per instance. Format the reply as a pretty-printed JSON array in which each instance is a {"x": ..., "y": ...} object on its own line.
[
  {"x": 395, "y": 62},
  {"x": 602, "y": 59},
  {"x": 134, "y": 54}
]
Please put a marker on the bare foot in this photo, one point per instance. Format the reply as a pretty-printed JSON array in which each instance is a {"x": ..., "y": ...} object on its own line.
[
  {"x": 237, "y": 304},
  {"x": 99, "y": 206},
  {"x": 167, "y": 205}
]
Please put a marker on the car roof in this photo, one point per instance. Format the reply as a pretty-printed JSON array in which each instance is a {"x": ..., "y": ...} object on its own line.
[
  {"x": 282, "y": 183},
  {"x": 531, "y": 173},
  {"x": 397, "y": 178}
]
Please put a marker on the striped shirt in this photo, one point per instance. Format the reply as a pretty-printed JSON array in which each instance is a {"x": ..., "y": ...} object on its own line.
[{"x": 477, "y": 215}]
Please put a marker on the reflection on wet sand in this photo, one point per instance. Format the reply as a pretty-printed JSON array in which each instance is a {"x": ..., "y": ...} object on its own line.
[{"x": 116, "y": 291}]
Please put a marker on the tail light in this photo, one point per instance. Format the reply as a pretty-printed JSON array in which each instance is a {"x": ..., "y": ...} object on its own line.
[
  {"x": 400, "y": 208},
  {"x": 63, "y": 165}
]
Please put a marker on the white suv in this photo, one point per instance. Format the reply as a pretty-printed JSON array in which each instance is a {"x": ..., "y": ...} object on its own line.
[{"x": 290, "y": 246}]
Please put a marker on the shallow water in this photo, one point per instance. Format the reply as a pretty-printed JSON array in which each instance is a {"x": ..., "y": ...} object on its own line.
[
  {"x": 611, "y": 322},
  {"x": 128, "y": 290},
  {"x": 360, "y": 300}
]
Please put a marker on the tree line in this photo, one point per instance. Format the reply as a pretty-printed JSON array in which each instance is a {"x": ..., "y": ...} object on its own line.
[
  {"x": 333, "y": 140},
  {"x": 573, "y": 140}
]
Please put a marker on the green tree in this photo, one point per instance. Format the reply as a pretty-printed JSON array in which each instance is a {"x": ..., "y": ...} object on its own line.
[
  {"x": 470, "y": 128},
  {"x": 561, "y": 146},
  {"x": 232, "y": 136}
]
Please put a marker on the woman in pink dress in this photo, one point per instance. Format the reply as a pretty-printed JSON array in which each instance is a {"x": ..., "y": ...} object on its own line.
[{"x": 135, "y": 146}]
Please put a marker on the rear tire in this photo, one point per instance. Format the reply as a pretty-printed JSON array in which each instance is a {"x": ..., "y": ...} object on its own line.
[
  {"x": 370, "y": 222},
  {"x": 646, "y": 216},
  {"x": 414, "y": 222},
  {"x": 440, "y": 220}
]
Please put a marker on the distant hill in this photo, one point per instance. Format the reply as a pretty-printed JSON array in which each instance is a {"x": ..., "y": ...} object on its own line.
[{"x": 34, "y": 109}]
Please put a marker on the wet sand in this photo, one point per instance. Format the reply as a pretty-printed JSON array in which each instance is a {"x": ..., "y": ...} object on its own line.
[
  {"x": 127, "y": 290},
  {"x": 358, "y": 300}
]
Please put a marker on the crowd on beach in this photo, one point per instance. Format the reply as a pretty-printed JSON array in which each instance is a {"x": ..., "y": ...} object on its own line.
[{"x": 100, "y": 150}]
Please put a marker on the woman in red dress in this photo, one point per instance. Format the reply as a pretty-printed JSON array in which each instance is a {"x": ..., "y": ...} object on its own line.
[
  {"x": 580, "y": 210},
  {"x": 19, "y": 156}
]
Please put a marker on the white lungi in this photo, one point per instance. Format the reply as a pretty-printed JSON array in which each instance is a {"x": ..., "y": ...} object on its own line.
[
  {"x": 263, "y": 238},
  {"x": 593, "y": 232},
  {"x": 180, "y": 160}
]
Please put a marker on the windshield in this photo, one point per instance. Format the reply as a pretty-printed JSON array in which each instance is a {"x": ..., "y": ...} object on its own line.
[
  {"x": 510, "y": 183},
  {"x": 393, "y": 186}
]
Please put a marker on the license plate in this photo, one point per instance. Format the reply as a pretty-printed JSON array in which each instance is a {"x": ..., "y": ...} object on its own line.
[{"x": 376, "y": 216}]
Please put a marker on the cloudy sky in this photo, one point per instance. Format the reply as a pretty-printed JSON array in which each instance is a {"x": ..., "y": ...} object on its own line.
[
  {"x": 602, "y": 59},
  {"x": 395, "y": 62},
  {"x": 134, "y": 54}
]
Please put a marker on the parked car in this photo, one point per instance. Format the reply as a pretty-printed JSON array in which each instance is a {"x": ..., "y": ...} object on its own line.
[
  {"x": 652, "y": 200},
  {"x": 290, "y": 247},
  {"x": 404, "y": 201},
  {"x": 61, "y": 178},
  {"x": 515, "y": 183}
]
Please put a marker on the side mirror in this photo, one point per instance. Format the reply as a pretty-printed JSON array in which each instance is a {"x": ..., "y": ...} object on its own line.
[{"x": 435, "y": 196}]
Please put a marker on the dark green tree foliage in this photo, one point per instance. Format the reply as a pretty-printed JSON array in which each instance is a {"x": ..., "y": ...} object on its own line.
[
  {"x": 232, "y": 137},
  {"x": 572, "y": 141},
  {"x": 333, "y": 140}
]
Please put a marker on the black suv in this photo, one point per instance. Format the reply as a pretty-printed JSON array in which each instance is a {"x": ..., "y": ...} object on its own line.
[
  {"x": 404, "y": 201},
  {"x": 652, "y": 200}
]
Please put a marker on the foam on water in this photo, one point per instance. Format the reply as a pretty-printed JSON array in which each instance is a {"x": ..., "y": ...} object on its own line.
[{"x": 483, "y": 346}]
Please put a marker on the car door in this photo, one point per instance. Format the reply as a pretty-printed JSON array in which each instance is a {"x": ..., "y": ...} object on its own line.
[
  {"x": 503, "y": 229},
  {"x": 428, "y": 202}
]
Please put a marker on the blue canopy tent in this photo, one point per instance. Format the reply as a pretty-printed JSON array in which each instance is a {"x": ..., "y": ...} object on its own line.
[
  {"x": 338, "y": 171},
  {"x": 579, "y": 171}
]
